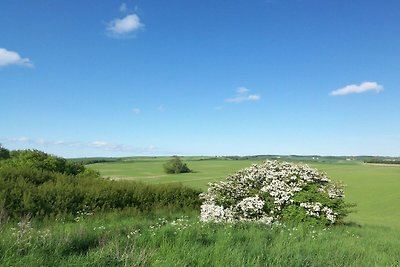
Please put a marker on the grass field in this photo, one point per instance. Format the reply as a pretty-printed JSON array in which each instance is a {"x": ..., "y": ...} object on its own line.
[
  {"x": 173, "y": 236},
  {"x": 134, "y": 239},
  {"x": 375, "y": 189}
]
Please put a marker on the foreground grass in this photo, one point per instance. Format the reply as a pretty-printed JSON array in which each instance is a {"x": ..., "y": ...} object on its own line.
[{"x": 171, "y": 239}]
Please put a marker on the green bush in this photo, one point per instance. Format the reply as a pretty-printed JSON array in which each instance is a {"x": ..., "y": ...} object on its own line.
[
  {"x": 68, "y": 195},
  {"x": 41, "y": 161},
  {"x": 4, "y": 153},
  {"x": 31, "y": 185},
  {"x": 175, "y": 165}
]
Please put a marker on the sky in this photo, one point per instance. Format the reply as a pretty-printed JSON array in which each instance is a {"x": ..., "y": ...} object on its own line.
[{"x": 124, "y": 78}]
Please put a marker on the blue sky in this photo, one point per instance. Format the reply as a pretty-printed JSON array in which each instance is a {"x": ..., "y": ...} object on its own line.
[{"x": 110, "y": 78}]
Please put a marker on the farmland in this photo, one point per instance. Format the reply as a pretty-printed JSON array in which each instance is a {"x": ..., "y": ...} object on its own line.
[
  {"x": 136, "y": 215},
  {"x": 373, "y": 188}
]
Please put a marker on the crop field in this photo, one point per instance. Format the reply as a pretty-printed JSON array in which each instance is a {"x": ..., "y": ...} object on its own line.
[
  {"x": 66, "y": 215},
  {"x": 373, "y": 188}
]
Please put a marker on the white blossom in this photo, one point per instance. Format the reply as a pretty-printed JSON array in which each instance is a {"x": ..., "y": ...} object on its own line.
[{"x": 245, "y": 194}]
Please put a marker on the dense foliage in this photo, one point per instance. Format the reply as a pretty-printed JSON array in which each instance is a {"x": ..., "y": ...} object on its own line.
[
  {"x": 272, "y": 192},
  {"x": 33, "y": 182},
  {"x": 175, "y": 165},
  {"x": 4, "y": 153},
  {"x": 40, "y": 161},
  {"x": 382, "y": 161},
  {"x": 87, "y": 161}
]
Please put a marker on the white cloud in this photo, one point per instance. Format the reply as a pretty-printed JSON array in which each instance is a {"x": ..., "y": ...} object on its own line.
[
  {"x": 125, "y": 26},
  {"x": 123, "y": 7},
  {"x": 100, "y": 145},
  {"x": 8, "y": 57},
  {"x": 28, "y": 140},
  {"x": 109, "y": 146},
  {"x": 356, "y": 89},
  {"x": 136, "y": 110},
  {"x": 161, "y": 108},
  {"x": 20, "y": 139},
  {"x": 242, "y": 94},
  {"x": 104, "y": 145},
  {"x": 242, "y": 90},
  {"x": 253, "y": 97}
]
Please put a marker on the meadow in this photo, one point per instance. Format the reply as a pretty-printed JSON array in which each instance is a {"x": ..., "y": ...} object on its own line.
[
  {"x": 173, "y": 239},
  {"x": 136, "y": 215},
  {"x": 373, "y": 188}
]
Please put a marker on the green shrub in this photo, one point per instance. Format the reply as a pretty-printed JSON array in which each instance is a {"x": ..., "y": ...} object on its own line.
[
  {"x": 4, "y": 153},
  {"x": 41, "y": 161},
  {"x": 175, "y": 165},
  {"x": 29, "y": 184},
  {"x": 275, "y": 192}
]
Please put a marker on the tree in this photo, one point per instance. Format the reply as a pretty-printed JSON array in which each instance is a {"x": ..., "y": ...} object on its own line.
[
  {"x": 175, "y": 165},
  {"x": 4, "y": 153}
]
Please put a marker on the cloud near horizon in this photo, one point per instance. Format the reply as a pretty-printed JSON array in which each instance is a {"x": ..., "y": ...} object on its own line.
[
  {"x": 242, "y": 95},
  {"x": 8, "y": 57},
  {"x": 357, "y": 89},
  {"x": 101, "y": 145},
  {"x": 124, "y": 27}
]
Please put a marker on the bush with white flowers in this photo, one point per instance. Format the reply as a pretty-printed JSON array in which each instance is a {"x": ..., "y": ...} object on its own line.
[{"x": 274, "y": 192}]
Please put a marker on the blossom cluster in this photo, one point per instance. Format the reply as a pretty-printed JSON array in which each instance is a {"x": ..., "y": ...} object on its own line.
[
  {"x": 263, "y": 192},
  {"x": 316, "y": 208}
]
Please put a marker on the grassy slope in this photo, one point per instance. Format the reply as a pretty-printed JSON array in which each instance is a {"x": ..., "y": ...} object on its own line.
[
  {"x": 142, "y": 240},
  {"x": 373, "y": 188}
]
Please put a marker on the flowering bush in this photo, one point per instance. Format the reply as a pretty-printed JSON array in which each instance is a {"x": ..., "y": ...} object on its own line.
[{"x": 273, "y": 192}]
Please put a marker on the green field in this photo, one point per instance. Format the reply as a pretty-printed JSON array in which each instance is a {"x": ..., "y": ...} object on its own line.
[
  {"x": 50, "y": 218},
  {"x": 375, "y": 189},
  {"x": 134, "y": 239}
]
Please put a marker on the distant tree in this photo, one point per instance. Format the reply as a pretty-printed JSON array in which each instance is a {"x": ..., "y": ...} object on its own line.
[
  {"x": 175, "y": 165},
  {"x": 4, "y": 153}
]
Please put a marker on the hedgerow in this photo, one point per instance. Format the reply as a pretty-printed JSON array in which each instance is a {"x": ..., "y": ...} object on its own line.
[{"x": 33, "y": 183}]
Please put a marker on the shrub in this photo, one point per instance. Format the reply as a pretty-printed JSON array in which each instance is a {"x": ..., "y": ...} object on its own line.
[
  {"x": 4, "y": 153},
  {"x": 175, "y": 165},
  {"x": 274, "y": 192},
  {"x": 41, "y": 161},
  {"x": 33, "y": 182},
  {"x": 23, "y": 192}
]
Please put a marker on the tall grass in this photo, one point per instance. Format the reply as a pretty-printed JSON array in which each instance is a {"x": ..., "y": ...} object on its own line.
[{"x": 133, "y": 238}]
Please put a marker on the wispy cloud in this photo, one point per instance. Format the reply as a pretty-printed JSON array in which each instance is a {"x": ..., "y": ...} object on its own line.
[
  {"x": 98, "y": 144},
  {"x": 161, "y": 108},
  {"x": 110, "y": 146},
  {"x": 136, "y": 110},
  {"x": 242, "y": 95},
  {"x": 123, "y": 8},
  {"x": 356, "y": 89},
  {"x": 28, "y": 140},
  {"x": 8, "y": 57},
  {"x": 124, "y": 27}
]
